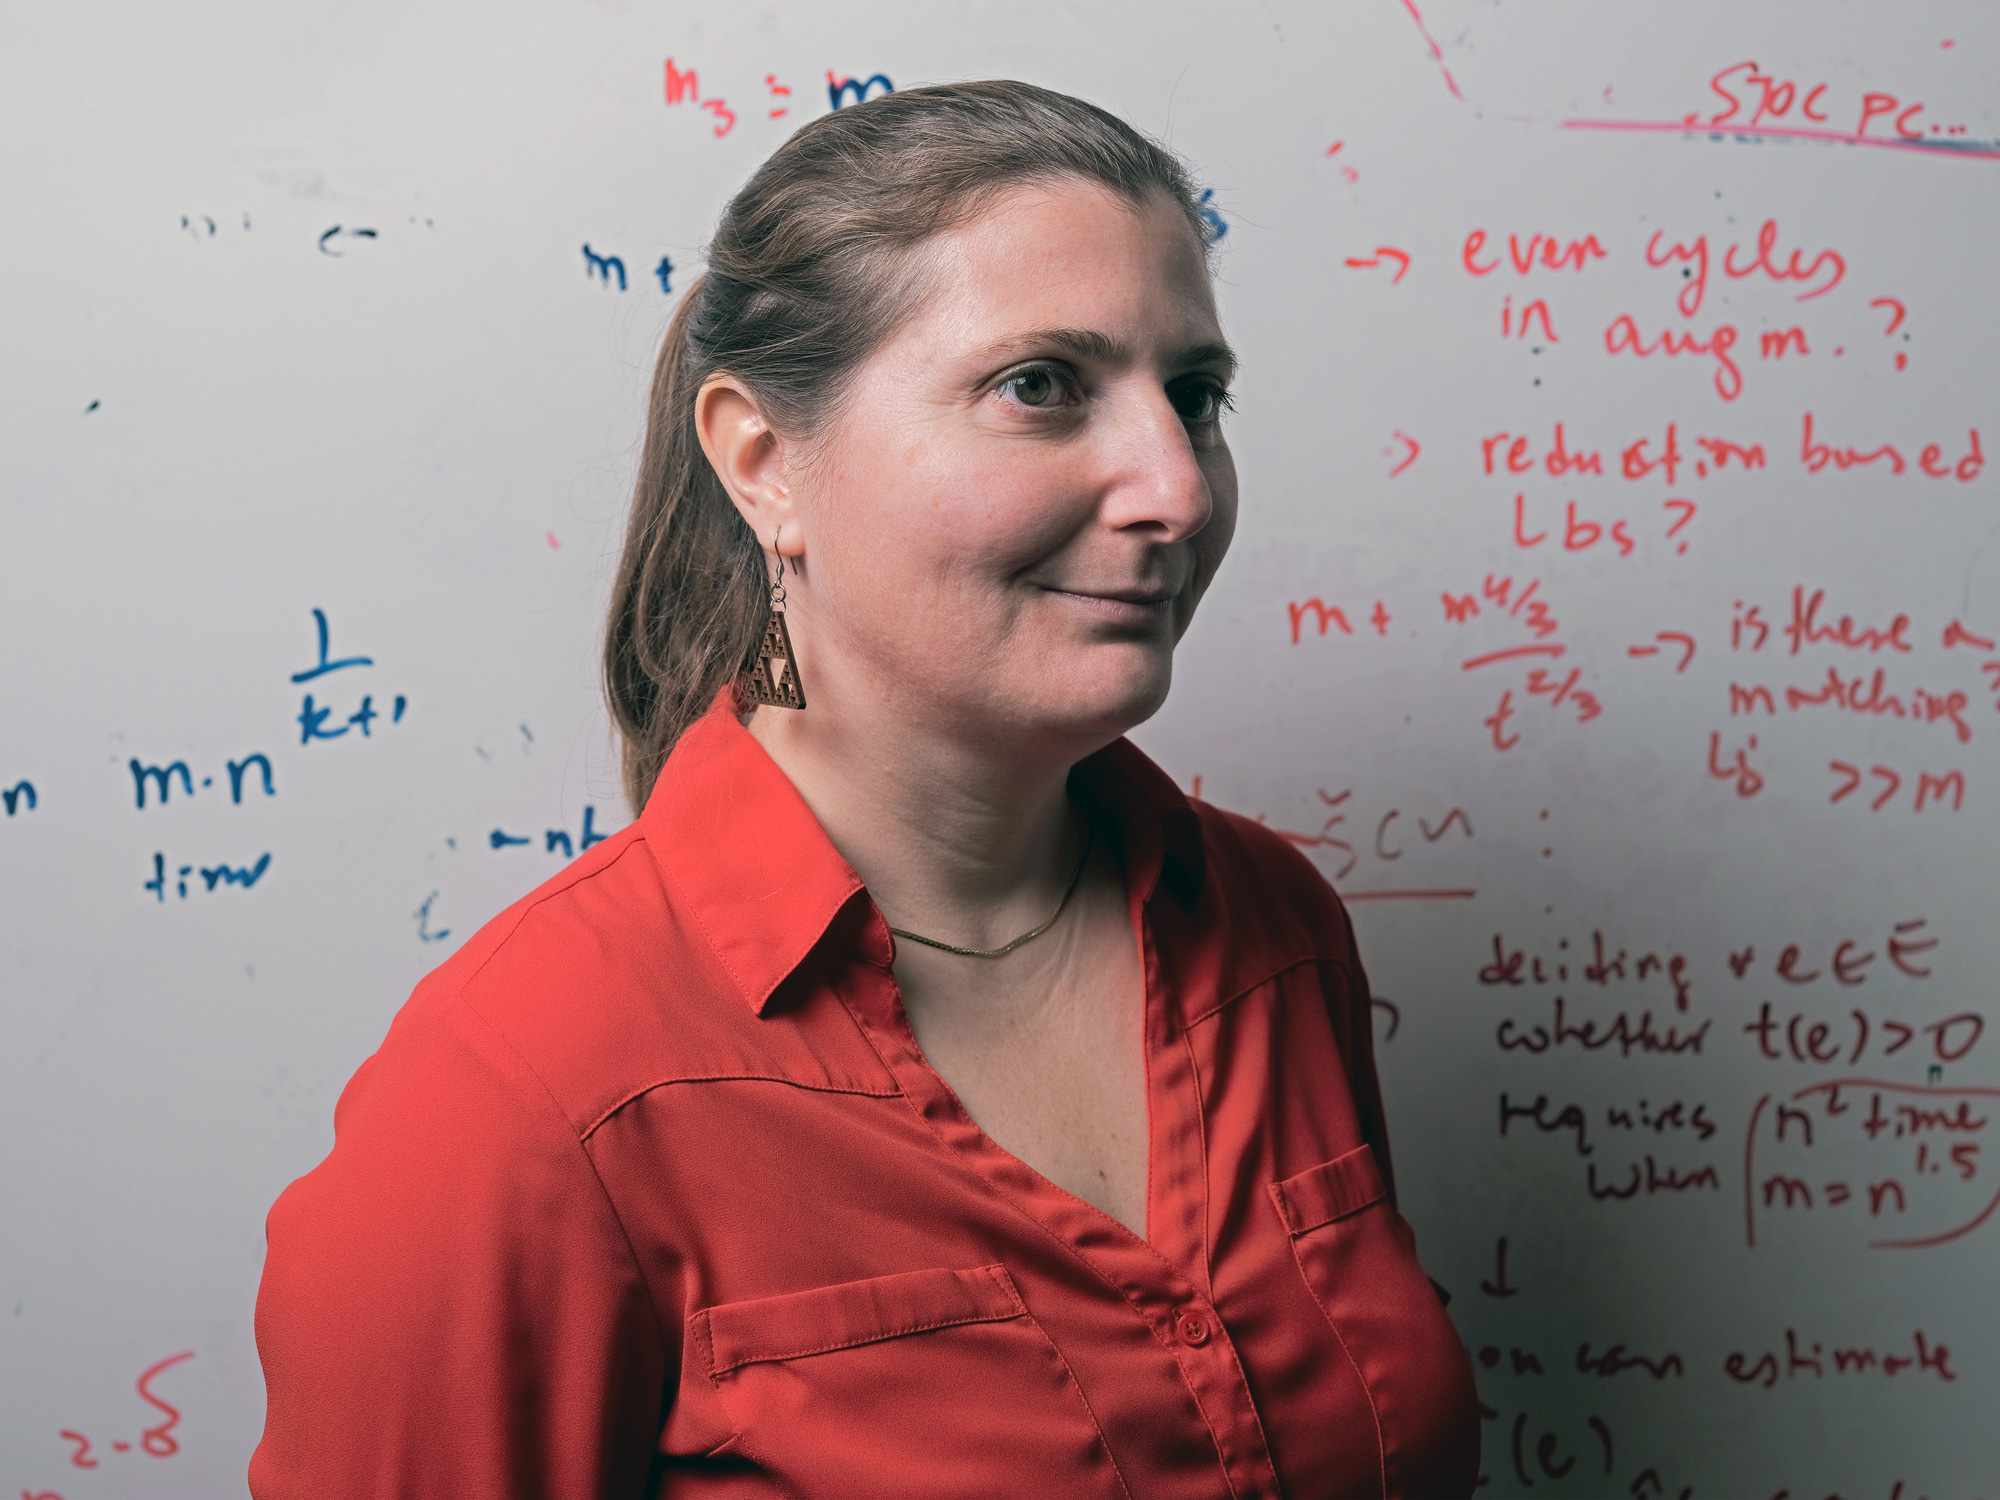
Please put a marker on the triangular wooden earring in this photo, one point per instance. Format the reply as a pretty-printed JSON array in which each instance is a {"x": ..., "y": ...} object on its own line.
[{"x": 773, "y": 678}]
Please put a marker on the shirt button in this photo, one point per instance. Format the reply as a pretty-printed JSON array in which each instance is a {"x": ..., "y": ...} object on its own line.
[{"x": 1192, "y": 1328}]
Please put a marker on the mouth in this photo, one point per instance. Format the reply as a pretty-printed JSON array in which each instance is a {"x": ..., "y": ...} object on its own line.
[{"x": 1130, "y": 606}]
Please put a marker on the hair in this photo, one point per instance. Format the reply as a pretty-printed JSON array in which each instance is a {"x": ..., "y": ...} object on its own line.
[{"x": 810, "y": 271}]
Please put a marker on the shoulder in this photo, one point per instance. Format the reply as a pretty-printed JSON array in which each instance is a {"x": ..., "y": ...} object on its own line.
[
  {"x": 1252, "y": 905},
  {"x": 1262, "y": 879},
  {"x": 590, "y": 988},
  {"x": 1261, "y": 911},
  {"x": 449, "y": 1145},
  {"x": 455, "y": 1273},
  {"x": 471, "y": 1121}
]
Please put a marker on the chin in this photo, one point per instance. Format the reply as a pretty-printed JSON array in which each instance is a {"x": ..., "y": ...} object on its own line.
[{"x": 1097, "y": 705}]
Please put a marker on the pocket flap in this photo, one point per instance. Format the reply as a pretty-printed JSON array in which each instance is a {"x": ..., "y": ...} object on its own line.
[
  {"x": 1332, "y": 1190},
  {"x": 855, "y": 1312}
]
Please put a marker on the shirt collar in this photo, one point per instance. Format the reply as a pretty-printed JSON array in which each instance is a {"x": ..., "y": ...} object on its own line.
[{"x": 743, "y": 853}]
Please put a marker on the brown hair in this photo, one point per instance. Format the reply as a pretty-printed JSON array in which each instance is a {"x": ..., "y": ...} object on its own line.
[{"x": 809, "y": 272}]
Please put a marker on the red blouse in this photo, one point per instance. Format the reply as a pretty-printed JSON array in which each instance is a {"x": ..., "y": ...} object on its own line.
[{"x": 649, "y": 1190}]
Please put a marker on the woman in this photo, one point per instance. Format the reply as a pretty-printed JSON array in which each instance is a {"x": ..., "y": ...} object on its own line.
[{"x": 922, "y": 1098}]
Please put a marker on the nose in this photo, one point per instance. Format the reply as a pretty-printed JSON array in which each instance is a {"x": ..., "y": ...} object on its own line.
[{"x": 1158, "y": 488}]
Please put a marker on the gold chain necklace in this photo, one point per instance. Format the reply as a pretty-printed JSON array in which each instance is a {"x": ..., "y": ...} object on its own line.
[{"x": 1090, "y": 837}]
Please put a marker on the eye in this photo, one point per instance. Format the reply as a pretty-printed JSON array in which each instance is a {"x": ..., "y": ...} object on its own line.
[
  {"x": 1200, "y": 402},
  {"x": 1041, "y": 387}
]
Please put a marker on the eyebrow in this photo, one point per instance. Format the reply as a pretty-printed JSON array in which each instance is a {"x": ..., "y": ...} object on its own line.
[{"x": 1090, "y": 344}]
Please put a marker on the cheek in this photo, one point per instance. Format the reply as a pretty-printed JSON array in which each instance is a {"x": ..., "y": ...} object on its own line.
[
  {"x": 953, "y": 526},
  {"x": 909, "y": 547}
]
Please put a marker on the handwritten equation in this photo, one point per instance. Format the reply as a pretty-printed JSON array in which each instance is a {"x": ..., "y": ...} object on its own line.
[{"x": 156, "y": 1440}]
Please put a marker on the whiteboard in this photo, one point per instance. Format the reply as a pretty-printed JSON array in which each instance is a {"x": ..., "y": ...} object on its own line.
[{"x": 1649, "y": 732}]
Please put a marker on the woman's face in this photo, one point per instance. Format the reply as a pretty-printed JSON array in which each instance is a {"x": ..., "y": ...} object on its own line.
[{"x": 1027, "y": 489}]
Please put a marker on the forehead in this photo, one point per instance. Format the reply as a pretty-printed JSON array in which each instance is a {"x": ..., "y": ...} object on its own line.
[{"x": 1068, "y": 254}]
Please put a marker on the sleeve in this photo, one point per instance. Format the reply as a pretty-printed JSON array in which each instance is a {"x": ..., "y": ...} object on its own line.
[{"x": 449, "y": 1304}]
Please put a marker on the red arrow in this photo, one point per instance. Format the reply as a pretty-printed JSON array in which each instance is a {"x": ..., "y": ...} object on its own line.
[{"x": 1360, "y": 263}]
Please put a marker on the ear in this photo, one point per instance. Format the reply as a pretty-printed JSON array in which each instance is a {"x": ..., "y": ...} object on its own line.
[{"x": 748, "y": 456}]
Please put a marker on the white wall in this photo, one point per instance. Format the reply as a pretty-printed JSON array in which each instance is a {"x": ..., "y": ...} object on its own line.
[{"x": 427, "y": 433}]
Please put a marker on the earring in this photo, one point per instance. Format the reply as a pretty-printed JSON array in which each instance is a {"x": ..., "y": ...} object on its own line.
[{"x": 773, "y": 678}]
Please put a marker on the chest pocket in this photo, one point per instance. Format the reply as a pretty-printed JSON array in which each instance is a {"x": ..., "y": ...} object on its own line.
[
  {"x": 1358, "y": 1257},
  {"x": 930, "y": 1385}
]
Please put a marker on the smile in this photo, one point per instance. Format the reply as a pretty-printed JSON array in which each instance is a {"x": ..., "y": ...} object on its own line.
[{"x": 1125, "y": 607}]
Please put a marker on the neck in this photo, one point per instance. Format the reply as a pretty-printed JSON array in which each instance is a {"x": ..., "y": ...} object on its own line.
[{"x": 965, "y": 842}]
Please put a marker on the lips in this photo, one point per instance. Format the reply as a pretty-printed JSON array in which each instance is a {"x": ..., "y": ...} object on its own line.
[
  {"x": 1124, "y": 596},
  {"x": 1142, "y": 609}
]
